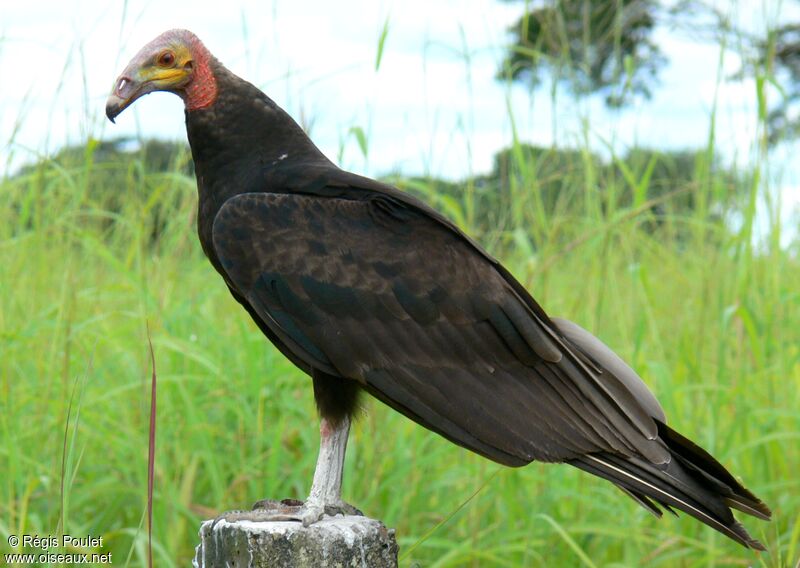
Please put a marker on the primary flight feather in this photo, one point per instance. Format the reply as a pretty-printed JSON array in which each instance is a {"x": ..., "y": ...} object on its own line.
[{"x": 366, "y": 288}]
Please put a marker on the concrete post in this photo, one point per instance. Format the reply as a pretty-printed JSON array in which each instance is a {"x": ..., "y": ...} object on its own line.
[{"x": 336, "y": 542}]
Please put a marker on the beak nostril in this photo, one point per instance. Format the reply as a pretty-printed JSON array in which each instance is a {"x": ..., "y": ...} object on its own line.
[{"x": 123, "y": 81}]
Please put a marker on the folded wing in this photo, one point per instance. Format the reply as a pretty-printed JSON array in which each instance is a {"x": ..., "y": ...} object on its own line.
[{"x": 374, "y": 291}]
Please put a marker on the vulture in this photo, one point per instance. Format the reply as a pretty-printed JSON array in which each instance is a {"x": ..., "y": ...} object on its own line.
[{"x": 367, "y": 288}]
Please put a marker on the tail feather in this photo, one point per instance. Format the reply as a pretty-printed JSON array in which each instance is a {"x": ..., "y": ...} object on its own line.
[
  {"x": 642, "y": 499},
  {"x": 699, "y": 460},
  {"x": 693, "y": 482}
]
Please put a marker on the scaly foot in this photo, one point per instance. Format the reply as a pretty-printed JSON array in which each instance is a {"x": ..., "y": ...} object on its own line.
[{"x": 271, "y": 510}]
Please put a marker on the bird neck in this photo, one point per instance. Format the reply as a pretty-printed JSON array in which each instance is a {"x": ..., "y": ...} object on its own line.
[
  {"x": 239, "y": 140},
  {"x": 242, "y": 135},
  {"x": 201, "y": 92}
]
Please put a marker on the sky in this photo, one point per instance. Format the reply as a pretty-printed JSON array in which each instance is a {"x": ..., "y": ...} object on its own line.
[{"x": 433, "y": 107}]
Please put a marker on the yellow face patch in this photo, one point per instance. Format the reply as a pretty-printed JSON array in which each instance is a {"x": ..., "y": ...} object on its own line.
[{"x": 169, "y": 68}]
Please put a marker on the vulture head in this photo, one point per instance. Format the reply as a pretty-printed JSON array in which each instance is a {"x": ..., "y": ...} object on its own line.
[{"x": 176, "y": 62}]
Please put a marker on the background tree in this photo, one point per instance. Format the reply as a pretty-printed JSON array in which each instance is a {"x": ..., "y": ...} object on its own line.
[
  {"x": 781, "y": 52},
  {"x": 606, "y": 47},
  {"x": 603, "y": 47},
  {"x": 664, "y": 187},
  {"x": 152, "y": 177}
]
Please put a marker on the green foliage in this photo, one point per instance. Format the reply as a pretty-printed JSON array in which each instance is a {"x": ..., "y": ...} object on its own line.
[
  {"x": 663, "y": 187},
  {"x": 108, "y": 179},
  {"x": 381, "y": 43},
  {"x": 553, "y": 177},
  {"x": 709, "y": 326},
  {"x": 601, "y": 47},
  {"x": 781, "y": 52}
]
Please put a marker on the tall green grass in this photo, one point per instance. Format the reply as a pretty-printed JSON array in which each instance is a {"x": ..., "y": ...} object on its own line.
[{"x": 706, "y": 315}]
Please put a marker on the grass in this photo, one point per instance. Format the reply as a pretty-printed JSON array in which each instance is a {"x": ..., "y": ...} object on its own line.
[
  {"x": 707, "y": 316},
  {"x": 710, "y": 326}
]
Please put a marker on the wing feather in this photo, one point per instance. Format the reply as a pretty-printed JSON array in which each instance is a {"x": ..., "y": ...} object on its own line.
[{"x": 379, "y": 293}]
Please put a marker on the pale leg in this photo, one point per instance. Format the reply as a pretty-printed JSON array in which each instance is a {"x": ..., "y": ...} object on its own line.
[{"x": 326, "y": 489}]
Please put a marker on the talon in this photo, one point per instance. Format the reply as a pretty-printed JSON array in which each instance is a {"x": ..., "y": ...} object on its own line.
[
  {"x": 268, "y": 504},
  {"x": 226, "y": 517},
  {"x": 312, "y": 517},
  {"x": 343, "y": 509}
]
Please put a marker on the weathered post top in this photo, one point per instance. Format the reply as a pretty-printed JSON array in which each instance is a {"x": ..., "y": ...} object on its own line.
[{"x": 337, "y": 542}]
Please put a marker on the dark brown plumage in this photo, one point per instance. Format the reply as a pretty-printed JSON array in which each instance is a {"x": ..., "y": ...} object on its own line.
[{"x": 367, "y": 288}]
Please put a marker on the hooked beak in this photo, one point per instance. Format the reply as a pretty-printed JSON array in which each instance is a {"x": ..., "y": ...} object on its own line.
[
  {"x": 126, "y": 90},
  {"x": 123, "y": 94}
]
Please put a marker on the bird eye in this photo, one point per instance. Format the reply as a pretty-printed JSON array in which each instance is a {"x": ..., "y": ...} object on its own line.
[{"x": 166, "y": 59}]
